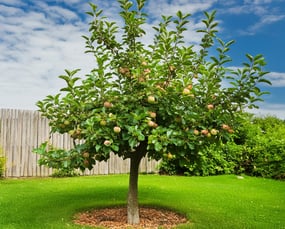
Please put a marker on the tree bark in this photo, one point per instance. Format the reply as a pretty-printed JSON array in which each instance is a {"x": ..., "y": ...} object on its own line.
[{"x": 133, "y": 205}]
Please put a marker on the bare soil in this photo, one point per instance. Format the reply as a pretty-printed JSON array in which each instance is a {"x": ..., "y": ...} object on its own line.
[{"x": 116, "y": 218}]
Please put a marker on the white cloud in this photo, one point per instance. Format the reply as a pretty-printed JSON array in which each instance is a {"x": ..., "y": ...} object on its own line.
[
  {"x": 156, "y": 8},
  {"x": 266, "y": 20},
  {"x": 247, "y": 8},
  {"x": 277, "y": 79},
  {"x": 277, "y": 110},
  {"x": 9, "y": 10},
  {"x": 71, "y": 2},
  {"x": 12, "y": 2},
  {"x": 258, "y": 2},
  {"x": 35, "y": 49},
  {"x": 265, "y": 14}
]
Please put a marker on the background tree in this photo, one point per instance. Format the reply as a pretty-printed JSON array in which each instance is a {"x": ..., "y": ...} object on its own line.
[{"x": 158, "y": 100}]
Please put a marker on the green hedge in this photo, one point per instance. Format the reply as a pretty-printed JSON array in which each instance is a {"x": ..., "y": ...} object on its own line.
[
  {"x": 2, "y": 165},
  {"x": 258, "y": 149},
  {"x": 262, "y": 147}
]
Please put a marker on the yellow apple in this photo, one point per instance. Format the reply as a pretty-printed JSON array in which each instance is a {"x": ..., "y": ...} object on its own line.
[
  {"x": 186, "y": 91},
  {"x": 151, "y": 99},
  {"x": 214, "y": 131},
  {"x": 196, "y": 132},
  {"x": 117, "y": 129}
]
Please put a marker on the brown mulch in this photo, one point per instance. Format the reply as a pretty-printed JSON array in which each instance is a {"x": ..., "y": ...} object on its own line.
[{"x": 116, "y": 218}]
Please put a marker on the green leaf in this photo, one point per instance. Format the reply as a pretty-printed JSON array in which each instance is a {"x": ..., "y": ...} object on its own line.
[
  {"x": 98, "y": 147},
  {"x": 132, "y": 142},
  {"x": 157, "y": 146},
  {"x": 115, "y": 147},
  {"x": 179, "y": 14},
  {"x": 65, "y": 164},
  {"x": 141, "y": 137},
  {"x": 249, "y": 57},
  {"x": 265, "y": 81}
]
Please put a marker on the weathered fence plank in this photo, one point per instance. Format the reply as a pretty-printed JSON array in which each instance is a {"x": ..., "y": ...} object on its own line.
[{"x": 22, "y": 130}]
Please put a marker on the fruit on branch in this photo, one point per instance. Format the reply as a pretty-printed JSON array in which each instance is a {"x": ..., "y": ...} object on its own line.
[
  {"x": 151, "y": 99},
  {"x": 231, "y": 131},
  {"x": 108, "y": 104},
  {"x": 196, "y": 132},
  {"x": 190, "y": 87},
  {"x": 225, "y": 127},
  {"x": 103, "y": 123},
  {"x": 204, "y": 132},
  {"x": 85, "y": 154},
  {"x": 152, "y": 124},
  {"x": 169, "y": 156},
  {"x": 152, "y": 114},
  {"x": 214, "y": 131},
  {"x": 107, "y": 142},
  {"x": 144, "y": 63},
  {"x": 124, "y": 71},
  {"x": 210, "y": 106},
  {"x": 117, "y": 129},
  {"x": 186, "y": 91}
]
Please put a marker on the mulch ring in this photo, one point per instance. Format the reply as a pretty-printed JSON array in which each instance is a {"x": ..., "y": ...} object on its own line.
[{"x": 116, "y": 218}]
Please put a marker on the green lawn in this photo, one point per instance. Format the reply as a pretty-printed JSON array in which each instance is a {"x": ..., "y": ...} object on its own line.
[{"x": 208, "y": 202}]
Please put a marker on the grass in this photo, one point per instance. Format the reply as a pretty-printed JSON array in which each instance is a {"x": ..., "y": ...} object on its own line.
[{"x": 208, "y": 202}]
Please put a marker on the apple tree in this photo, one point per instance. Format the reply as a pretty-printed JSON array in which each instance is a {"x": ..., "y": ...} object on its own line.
[{"x": 160, "y": 99}]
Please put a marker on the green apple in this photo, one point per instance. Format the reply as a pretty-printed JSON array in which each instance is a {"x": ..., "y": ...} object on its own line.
[
  {"x": 169, "y": 156},
  {"x": 151, "y": 99},
  {"x": 214, "y": 131},
  {"x": 103, "y": 123}
]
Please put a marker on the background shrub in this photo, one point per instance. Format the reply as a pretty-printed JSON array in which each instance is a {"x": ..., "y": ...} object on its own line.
[
  {"x": 258, "y": 149},
  {"x": 2, "y": 163},
  {"x": 262, "y": 147},
  {"x": 209, "y": 161}
]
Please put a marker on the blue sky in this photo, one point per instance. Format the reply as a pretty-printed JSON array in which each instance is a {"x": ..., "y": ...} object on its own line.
[{"x": 41, "y": 38}]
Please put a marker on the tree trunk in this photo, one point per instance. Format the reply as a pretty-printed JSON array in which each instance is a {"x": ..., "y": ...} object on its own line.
[{"x": 133, "y": 205}]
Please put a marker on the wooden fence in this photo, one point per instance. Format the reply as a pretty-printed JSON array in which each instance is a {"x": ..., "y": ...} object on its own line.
[{"x": 21, "y": 131}]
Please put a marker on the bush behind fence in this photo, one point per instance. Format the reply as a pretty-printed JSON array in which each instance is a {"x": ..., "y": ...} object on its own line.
[{"x": 23, "y": 130}]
